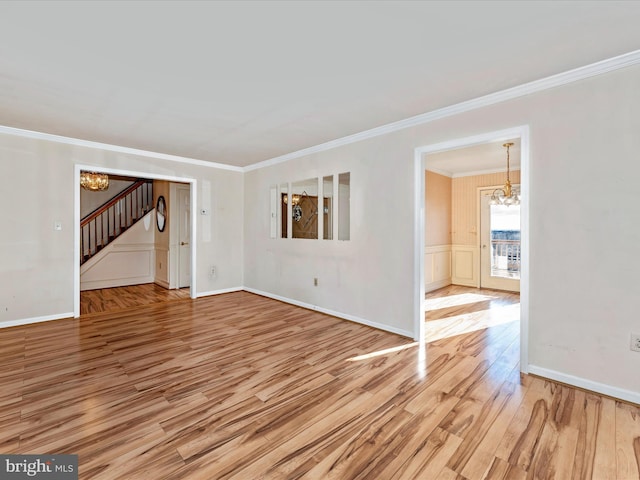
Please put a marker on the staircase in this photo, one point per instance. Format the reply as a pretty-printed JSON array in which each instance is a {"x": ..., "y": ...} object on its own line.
[{"x": 108, "y": 222}]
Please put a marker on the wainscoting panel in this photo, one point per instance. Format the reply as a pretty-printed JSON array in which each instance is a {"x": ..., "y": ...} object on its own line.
[
  {"x": 121, "y": 265},
  {"x": 128, "y": 260},
  {"x": 466, "y": 268},
  {"x": 163, "y": 263},
  {"x": 437, "y": 267}
]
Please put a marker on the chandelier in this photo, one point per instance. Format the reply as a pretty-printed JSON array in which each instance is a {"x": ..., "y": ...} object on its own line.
[
  {"x": 507, "y": 195},
  {"x": 94, "y": 181}
]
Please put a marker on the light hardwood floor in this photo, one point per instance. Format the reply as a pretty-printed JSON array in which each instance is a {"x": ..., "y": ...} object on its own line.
[
  {"x": 240, "y": 386},
  {"x": 119, "y": 298}
]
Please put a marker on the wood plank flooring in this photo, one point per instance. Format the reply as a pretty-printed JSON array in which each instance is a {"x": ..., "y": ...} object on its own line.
[
  {"x": 119, "y": 298},
  {"x": 238, "y": 386}
]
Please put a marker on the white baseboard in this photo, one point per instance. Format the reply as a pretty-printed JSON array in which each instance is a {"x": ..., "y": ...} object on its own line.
[
  {"x": 430, "y": 287},
  {"x": 345, "y": 316},
  {"x": 112, "y": 283},
  {"x": 615, "y": 392},
  {"x": 26, "y": 321},
  {"x": 218, "y": 292},
  {"x": 308, "y": 306}
]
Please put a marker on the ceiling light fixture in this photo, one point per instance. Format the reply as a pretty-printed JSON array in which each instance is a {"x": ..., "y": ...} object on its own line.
[
  {"x": 295, "y": 198},
  {"x": 506, "y": 195},
  {"x": 94, "y": 181}
]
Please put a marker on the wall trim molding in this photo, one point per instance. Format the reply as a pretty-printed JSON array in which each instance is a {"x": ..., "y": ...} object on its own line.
[
  {"x": 27, "y": 321},
  {"x": 219, "y": 292},
  {"x": 557, "y": 80},
  {"x": 160, "y": 282},
  {"x": 430, "y": 287},
  {"x": 333, "y": 313},
  {"x": 438, "y": 248},
  {"x": 19, "y": 132},
  {"x": 584, "y": 383}
]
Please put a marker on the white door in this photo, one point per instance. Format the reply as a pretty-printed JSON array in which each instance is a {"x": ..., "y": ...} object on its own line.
[
  {"x": 499, "y": 244},
  {"x": 184, "y": 236}
]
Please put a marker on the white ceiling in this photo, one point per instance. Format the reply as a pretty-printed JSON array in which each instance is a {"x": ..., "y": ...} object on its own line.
[
  {"x": 483, "y": 158},
  {"x": 243, "y": 82}
]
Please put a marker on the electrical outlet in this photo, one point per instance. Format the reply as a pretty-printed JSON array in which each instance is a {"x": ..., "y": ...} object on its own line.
[
  {"x": 315, "y": 282},
  {"x": 635, "y": 342},
  {"x": 212, "y": 271}
]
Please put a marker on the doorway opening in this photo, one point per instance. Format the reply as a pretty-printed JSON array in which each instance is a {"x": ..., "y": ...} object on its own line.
[
  {"x": 500, "y": 244},
  {"x": 465, "y": 246},
  {"x": 171, "y": 258}
]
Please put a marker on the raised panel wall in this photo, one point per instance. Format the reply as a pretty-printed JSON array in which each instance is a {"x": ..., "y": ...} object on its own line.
[
  {"x": 465, "y": 265},
  {"x": 437, "y": 267}
]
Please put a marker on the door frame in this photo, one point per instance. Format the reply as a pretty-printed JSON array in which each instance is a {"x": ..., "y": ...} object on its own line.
[
  {"x": 193, "y": 184},
  {"x": 180, "y": 212},
  {"x": 420, "y": 154},
  {"x": 480, "y": 194}
]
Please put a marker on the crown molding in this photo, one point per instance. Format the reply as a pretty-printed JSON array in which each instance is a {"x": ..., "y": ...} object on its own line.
[
  {"x": 114, "y": 148},
  {"x": 564, "y": 78}
]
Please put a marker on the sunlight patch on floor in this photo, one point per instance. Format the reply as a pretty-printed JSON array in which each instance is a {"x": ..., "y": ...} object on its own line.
[
  {"x": 386, "y": 351},
  {"x": 431, "y": 304},
  {"x": 471, "y": 322}
]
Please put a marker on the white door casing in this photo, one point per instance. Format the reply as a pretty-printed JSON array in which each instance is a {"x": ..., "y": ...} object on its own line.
[
  {"x": 184, "y": 236},
  {"x": 420, "y": 154}
]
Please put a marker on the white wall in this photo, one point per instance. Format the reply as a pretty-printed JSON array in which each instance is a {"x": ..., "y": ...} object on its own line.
[
  {"x": 89, "y": 201},
  {"x": 37, "y": 263},
  {"x": 584, "y": 231}
]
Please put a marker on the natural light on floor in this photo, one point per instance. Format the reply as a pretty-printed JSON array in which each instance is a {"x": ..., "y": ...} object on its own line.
[
  {"x": 379, "y": 353},
  {"x": 455, "y": 301},
  {"x": 471, "y": 322},
  {"x": 489, "y": 311}
]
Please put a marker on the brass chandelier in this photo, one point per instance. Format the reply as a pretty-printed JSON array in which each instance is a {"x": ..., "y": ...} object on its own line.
[
  {"x": 507, "y": 195},
  {"x": 94, "y": 181}
]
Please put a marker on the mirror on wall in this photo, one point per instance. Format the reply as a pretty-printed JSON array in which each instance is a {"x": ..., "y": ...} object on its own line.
[
  {"x": 327, "y": 207},
  {"x": 284, "y": 224},
  {"x": 344, "y": 206},
  {"x": 304, "y": 209},
  {"x": 273, "y": 211},
  {"x": 313, "y": 208}
]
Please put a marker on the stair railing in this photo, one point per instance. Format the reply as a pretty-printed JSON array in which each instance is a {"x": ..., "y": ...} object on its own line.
[{"x": 109, "y": 221}]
